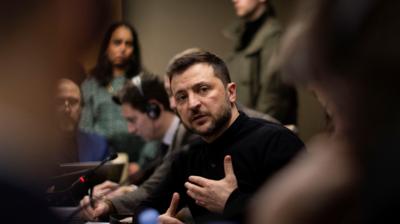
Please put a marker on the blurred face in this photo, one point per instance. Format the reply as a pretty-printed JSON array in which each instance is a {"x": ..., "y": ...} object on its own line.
[
  {"x": 248, "y": 9},
  {"x": 167, "y": 87},
  {"x": 138, "y": 122},
  {"x": 203, "y": 103},
  {"x": 120, "y": 47},
  {"x": 68, "y": 100}
]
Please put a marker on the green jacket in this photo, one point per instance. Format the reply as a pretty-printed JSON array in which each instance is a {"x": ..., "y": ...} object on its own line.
[
  {"x": 102, "y": 116},
  {"x": 259, "y": 85}
]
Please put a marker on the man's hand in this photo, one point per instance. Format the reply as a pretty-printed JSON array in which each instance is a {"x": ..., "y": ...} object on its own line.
[
  {"x": 105, "y": 190},
  {"x": 92, "y": 213},
  {"x": 169, "y": 216},
  {"x": 108, "y": 190},
  {"x": 212, "y": 194}
]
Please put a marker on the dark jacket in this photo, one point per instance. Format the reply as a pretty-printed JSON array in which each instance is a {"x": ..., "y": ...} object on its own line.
[
  {"x": 259, "y": 83},
  {"x": 258, "y": 150}
]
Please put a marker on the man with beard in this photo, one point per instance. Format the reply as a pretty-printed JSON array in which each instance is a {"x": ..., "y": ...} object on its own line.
[{"x": 218, "y": 175}]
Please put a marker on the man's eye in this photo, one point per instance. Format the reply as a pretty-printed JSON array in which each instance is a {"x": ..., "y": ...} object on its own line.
[
  {"x": 180, "y": 98},
  {"x": 73, "y": 102},
  {"x": 203, "y": 89}
]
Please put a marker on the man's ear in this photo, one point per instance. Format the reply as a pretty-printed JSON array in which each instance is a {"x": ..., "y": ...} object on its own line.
[
  {"x": 231, "y": 91},
  {"x": 154, "y": 109}
]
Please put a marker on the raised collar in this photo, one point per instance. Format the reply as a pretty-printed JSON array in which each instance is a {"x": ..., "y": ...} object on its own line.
[
  {"x": 169, "y": 135},
  {"x": 269, "y": 28},
  {"x": 233, "y": 131}
]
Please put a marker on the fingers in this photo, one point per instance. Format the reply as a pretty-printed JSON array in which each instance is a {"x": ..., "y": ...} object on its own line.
[
  {"x": 228, "y": 167},
  {"x": 200, "y": 181},
  {"x": 120, "y": 191},
  {"x": 103, "y": 188},
  {"x": 194, "y": 187},
  {"x": 108, "y": 184},
  {"x": 165, "y": 219},
  {"x": 201, "y": 203},
  {"x": 194, "y": 191},
  {"x": 87, "y": 212},
  {"x": 171, "y": 211}
]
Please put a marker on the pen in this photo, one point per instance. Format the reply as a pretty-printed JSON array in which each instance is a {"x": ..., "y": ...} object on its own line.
[{"x": 91, "y": 197}]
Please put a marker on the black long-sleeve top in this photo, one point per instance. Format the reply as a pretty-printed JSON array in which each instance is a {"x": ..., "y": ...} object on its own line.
[{"x": 258, "y": 150}]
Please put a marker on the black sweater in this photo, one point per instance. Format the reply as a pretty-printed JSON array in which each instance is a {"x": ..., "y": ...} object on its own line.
[{"x": 258, "y": 149}]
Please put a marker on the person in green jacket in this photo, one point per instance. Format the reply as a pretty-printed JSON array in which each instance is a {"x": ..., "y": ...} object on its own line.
[{"x": 260, "y": 85}]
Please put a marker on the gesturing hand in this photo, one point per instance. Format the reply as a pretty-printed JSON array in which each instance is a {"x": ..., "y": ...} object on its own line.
[
  {"x": 212, "y": 194},
  {"x": 169, "y": 216}
]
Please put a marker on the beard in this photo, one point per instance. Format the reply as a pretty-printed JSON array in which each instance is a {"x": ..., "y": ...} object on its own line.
[{"x": 218, "y": 123}]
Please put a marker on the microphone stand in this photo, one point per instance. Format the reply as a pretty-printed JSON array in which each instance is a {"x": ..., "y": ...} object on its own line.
[
  {"x": 85, "y": 178},
  {"x": 94, "y": 199}
]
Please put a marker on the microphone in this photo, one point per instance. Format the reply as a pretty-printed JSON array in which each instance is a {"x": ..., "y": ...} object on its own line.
[
  {"x": 90, "y": 173},
  {"x": 110, "y": 157},
  {"x": 67, "y": 195},
  {"x": 85, "y": 178},
  {"x": 94, "y": 199}
]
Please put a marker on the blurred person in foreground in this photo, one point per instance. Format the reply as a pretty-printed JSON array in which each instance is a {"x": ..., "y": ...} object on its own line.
[
  {"x": 236, "y": 154},
  {"x": 347, "y": 53},
  {"x": 146, "y": 107},
  {"x": 34, "y": 49},
  {"x": 256, "y": 35}
]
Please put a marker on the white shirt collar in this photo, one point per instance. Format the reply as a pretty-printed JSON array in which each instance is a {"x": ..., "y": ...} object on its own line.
[{"x": 169, "y": 135}]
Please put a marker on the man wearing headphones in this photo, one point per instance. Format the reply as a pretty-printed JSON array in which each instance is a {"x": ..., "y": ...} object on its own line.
[{"x": 145, "y": 105}]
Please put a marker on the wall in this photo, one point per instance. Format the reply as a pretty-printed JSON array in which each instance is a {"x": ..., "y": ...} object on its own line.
[
  {"x": 167, "y": 27},
  {"x": 112, "y": 12}
]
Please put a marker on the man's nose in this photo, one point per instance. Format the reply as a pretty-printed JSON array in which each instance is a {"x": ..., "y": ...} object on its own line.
[
  {"x": 132, "y": 129},
  {"x": 172, "y": 103},
  {"x": 193, "y": 101},
  {"x": 67, "y": 106}
]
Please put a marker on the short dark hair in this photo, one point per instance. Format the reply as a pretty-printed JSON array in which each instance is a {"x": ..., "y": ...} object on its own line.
[
  {"x": 151, "y": 88},
  {"x": 183, "y": 61}
]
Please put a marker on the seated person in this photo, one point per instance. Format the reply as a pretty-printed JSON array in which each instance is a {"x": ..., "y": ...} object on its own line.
[
  {"x": 218, "y": 175},
  {"x": 79, "y": 146},
  {"x": 146, "y": 108}
]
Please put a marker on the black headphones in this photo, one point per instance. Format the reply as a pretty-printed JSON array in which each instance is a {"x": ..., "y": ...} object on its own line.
[{"x": 152, "y": 110}]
